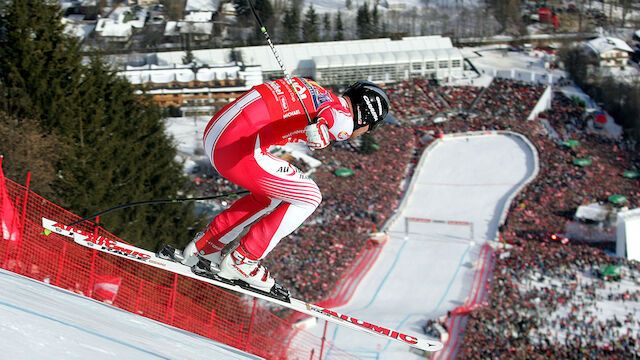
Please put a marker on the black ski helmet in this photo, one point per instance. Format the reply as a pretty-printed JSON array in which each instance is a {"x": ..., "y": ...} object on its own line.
[{"x": 370, "y": 104}]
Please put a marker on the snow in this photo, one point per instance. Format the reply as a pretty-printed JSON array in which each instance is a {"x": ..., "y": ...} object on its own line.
[
  {"x": 202, "y": 5},
  {"x": 529, "y": 66},
  {"x": 427, "y": 273},
  {"x": 40, "y": 321}
]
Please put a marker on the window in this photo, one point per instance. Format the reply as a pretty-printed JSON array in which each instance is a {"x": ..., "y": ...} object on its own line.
[
  {"x": 416, "y": 66},
  {"x": 430, "y": 65},
  {"x": 455, "y": 63},
  {"x": 443, "y": 64}
]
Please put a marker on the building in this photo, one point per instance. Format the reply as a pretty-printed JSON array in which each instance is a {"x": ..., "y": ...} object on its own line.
[
  {"x": 628, "y": 234},
  {"x": 114, "y": 32},
  {"x": 196, "y": 30},
  {"x": 196, "y": 90},
  {"x": 201, "y": 5},
  {"x": 609, "y": 51},
  {"x": 330, "y": 63},
  {"x": 341, "y": 62}
]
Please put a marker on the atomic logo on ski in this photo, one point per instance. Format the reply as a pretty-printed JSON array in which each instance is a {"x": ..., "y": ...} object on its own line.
[
  {"x": 378, "y": 329},
  {"x": 93, "y": 240}
]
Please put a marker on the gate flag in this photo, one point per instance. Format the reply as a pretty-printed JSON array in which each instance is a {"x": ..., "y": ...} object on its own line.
[{"x": 9, "y": 220}]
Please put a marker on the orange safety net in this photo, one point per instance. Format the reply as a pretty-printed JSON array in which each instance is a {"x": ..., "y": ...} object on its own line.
[{"x": 160, "y": 295}]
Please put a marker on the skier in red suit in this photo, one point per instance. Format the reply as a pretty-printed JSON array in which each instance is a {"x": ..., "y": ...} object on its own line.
[{"x": 237, "y": 140}]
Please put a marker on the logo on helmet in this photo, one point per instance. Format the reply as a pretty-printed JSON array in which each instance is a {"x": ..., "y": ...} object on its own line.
[
  {"x": 372, "y": 110},
  {"x": 360, "y": 120}
]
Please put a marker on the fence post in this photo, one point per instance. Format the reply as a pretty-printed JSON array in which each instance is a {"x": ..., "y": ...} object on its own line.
[
  {"x": 137, "y": 308},
  {"x": 251, "y": 321},
  {"x": 324, "y": 338},
  {"x": 61, "y": 263},
  {"x": 172, "y": 299},
  {"x": 212, "y": 322},
  {"x": 23, "y": 219},
  {"x": 92, "y": 273}
]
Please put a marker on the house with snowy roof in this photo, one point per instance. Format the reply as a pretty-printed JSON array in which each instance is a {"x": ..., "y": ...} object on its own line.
[
  {"x": 113, "y": 31},
  {"x": 609, "y": 51},
  {"x": 198, "y": 31},
  {"x": 202, "y": 5}
]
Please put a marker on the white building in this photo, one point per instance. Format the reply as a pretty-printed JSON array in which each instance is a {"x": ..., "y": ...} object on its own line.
[
  {"x": 202, "y": 5},
  {"x": 339, "y": 62},
  {"x": 112, "y": 31},
  {"x": 610, "y": 52},
  {"x": 199, "y": 31},
  {"x": 628, "y": 242}
]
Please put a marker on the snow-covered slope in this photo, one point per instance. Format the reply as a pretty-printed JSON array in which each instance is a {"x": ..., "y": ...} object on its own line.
[{"x": 40, "y": 321}]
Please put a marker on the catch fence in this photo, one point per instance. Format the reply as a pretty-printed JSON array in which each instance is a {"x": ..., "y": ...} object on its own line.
[{"x": 185, "y": 303}]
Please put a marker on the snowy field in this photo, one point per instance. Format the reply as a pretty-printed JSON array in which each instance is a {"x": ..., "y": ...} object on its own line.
[
  {"x": 426, "y": 271},
  {"x": 40, "y": 321}
]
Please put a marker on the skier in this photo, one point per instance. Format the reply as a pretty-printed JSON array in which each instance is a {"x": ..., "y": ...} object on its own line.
[{"x": 281, "y": 197}]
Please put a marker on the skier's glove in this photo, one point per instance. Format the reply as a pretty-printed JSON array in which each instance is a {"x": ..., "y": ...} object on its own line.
[{"x": 317, "y": 136}]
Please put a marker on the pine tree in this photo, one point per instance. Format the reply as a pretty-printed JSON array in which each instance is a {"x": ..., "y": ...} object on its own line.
[
  {"x": 363, "y": 22},
  {"x": 188, "y": 51},
  {"x": 291, "y": 23},
  {"x": 326, "y": 31},
  {"x": 310, "y": 30},
  {"x": 242, "y": 8},
  {"x": 122, "y": 154},
  {"x": 374, "y": 30},
  {"x": 39, "y": 64},
  {"x": 112, "y": 145},
  {"x": 26, "y": 148},
  {"x": 339, "y": 26},
  {"x": 368, "y": 144},
  {"x": 264, "y": 9}
]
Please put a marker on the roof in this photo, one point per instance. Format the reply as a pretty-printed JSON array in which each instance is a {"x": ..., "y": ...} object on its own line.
[
  {"x": 185, "y": 73},
  {"x": 387, "y": 57},
  {"x": 175, "y": 28},
  {"x": 202, "y": 5},
  {"x": 199, "y": 16},
  {"x": 603, "y": 44},
  {"x": 594, "y": 212},
  {"x": 112, "y": 29},
  {"x": 299, "y": 58}
]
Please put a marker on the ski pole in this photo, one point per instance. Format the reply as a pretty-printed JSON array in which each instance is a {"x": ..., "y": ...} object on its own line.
[
  {"x": 287, "y": 77},
  {"x": 150, "y": 202}
]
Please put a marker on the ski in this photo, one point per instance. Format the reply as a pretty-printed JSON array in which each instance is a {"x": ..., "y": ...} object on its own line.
[{"x": 133, "y": 253}]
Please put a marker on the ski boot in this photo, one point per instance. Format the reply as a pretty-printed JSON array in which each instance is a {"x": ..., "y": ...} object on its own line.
[
  {"x": 190, "y": 255},
  {"x": 237, "y": 269}
]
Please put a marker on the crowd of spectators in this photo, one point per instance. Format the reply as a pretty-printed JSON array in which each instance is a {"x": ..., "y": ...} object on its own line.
[
  {"x": 545, "y": 302},
  {"x": 409, "y": 100},
  {"x": 311, "y": 261},
  {"x": 510, "y": 99},
  {"x": 459, "y": 97},
  {"x": 315, "y": 256}
]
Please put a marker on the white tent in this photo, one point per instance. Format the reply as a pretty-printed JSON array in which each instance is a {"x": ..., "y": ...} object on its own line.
[{"x": 628, "y": 235}]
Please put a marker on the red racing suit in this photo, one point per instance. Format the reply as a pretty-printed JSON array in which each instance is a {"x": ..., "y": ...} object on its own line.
[{"x": 237, "y": 140}]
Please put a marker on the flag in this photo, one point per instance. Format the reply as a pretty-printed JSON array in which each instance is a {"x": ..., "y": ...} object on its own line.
[
  {"x": 106, "y": 288},
  {"x": 9, "y": 220}
]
